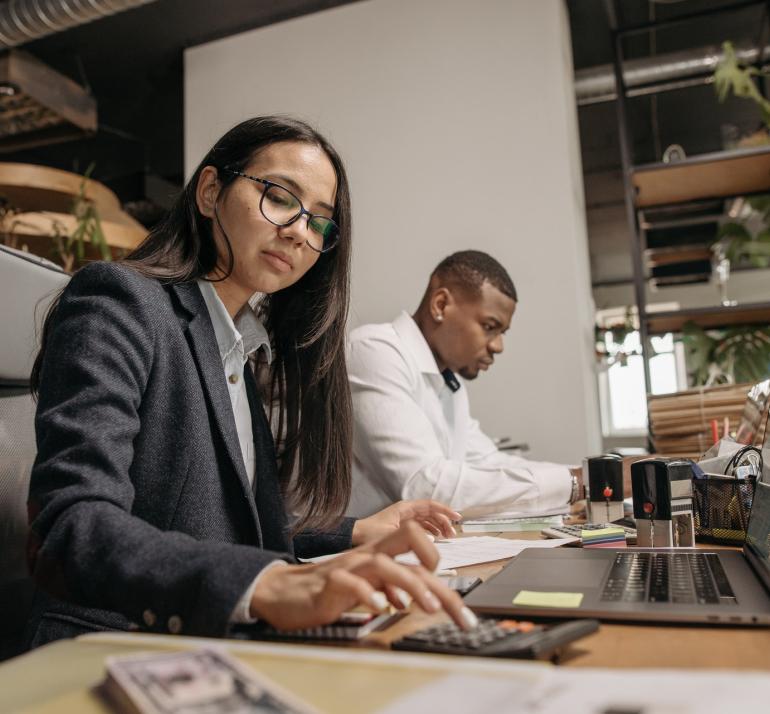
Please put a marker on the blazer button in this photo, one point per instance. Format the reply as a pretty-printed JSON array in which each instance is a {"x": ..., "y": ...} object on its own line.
[
  {"x": 149, "y": 618},
  {"x": 175, "y": 624},
  {"x": 233, "y": 379}
]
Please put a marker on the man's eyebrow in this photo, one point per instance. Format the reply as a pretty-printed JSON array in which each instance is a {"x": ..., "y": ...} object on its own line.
[{"x": 293, "y": 184}]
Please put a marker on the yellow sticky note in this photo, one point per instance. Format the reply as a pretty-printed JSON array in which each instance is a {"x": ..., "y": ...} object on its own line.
[
  {"x": 602, "y": 533},
  {"x": 536, "y": 599}
]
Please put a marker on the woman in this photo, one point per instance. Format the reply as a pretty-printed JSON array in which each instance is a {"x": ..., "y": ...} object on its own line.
[{"x": 157, "y": 499}]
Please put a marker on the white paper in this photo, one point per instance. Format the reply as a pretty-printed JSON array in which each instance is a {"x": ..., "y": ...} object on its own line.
[
  {"x": 471, "y": 550},
  {"x": 592, "y": 691}
]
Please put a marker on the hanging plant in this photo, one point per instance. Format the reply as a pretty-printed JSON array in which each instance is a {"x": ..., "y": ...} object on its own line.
[{"x": 731, "y": 76}]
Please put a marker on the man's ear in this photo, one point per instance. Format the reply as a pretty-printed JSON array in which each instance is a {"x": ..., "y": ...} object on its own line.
[
  {"x": 207, "y": 191},
  {"x": 439, "y": 302}
]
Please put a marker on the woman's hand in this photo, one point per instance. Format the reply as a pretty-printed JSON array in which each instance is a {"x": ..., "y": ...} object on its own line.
[
  {"x": 297, "y": 596},
  {"x": 434, "y": 517}
]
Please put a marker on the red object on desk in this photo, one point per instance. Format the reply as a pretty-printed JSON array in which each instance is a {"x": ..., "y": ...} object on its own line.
[{"x": 714, "y": 430}]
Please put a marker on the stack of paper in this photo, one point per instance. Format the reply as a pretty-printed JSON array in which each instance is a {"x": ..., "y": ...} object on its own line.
[
  {"x": 603, "y": 538},
  {"x": 502, "y": 523},
  {"x": 459, "y": 552}
]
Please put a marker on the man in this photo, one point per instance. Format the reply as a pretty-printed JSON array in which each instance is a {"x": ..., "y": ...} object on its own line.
[{"x": 413, "y": 435}]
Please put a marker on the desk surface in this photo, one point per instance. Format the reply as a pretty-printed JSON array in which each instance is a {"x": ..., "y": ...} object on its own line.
[
  {"x": 59, "y": 677},
  {"x": 625, "y": 646}
]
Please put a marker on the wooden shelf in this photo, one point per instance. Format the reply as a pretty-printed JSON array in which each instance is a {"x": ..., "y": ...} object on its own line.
[
  {"x": 32, "y": 187},
  {"x": 719, "y": 175},
  {"x": 708, "y": 317},
  {"x": 657, "y": 257},
  {"x": 45, "y": 197}
]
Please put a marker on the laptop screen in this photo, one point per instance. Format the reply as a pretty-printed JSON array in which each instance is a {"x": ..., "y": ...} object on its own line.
[{"x": 758, "y": 534}]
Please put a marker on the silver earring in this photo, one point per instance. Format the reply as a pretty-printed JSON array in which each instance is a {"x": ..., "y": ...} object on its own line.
[{"x": 439, "y": 318}]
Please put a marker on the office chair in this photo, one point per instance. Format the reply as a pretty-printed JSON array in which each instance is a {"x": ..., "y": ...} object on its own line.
[{"x": 27, "y": 286}]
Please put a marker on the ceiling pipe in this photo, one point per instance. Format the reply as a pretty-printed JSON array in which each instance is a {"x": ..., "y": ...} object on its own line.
[
  {"x": 22, "y": 21},
  {"x": 650, "y": 75}
]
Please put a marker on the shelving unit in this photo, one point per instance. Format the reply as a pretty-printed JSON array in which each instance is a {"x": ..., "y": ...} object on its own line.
[
  {"x": 659, "y": 323},
  {"x": 43, "y": 198},
  {"x": 681, "y": 197},
  {"x": 725, "y": 174}
]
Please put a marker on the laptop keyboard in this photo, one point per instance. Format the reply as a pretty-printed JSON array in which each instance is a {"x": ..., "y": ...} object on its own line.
[{"x": 681, "y": 578}]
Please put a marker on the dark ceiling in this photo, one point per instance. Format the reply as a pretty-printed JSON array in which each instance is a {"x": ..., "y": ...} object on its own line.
[
  {"x": 133, "y": 64},
  {"x": 690, "y": 117}
]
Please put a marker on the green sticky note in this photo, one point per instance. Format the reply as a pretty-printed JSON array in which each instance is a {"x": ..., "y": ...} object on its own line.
[{"x": 536, "y": 599}]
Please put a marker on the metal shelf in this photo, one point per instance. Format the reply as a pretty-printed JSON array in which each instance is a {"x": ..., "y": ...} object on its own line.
[{"x": 708, "y": 317}]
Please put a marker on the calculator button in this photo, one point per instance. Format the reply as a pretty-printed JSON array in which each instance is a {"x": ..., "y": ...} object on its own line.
[{"x": 510, "y": 625}]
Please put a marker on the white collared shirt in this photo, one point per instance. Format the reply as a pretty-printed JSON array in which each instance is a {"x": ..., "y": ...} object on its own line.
[
  {"x": 237, "y": 340},
  {"x": 414, "y": 438}
]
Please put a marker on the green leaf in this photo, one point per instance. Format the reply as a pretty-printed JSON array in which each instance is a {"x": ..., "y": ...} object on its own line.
[{"x": 733, "y": 230}]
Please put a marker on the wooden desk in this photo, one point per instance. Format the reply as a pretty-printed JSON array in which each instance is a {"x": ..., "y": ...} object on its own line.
[
  {"x": 60, "y": 677},
  {"x": 626, "y": 646}
]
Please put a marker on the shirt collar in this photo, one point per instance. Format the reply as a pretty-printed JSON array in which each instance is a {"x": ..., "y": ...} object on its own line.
[
  {"x": 246, "y": 333},
  {"x": 416, "y": 344}
]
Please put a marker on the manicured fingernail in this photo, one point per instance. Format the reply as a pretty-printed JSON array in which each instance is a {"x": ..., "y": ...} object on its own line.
[
  {"x": 458, "y": 516},
  {"x": 430, "y": 537},
  {"x": 403, "y": 597},
  {"x": 469, "y": 619},
  {"x": 378, "y": 600},
  {"x": 452, "y": 529},
  {"x": 431, "y": 601}
]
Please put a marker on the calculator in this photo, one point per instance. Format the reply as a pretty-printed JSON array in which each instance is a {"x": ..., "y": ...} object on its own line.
[
  {"x": 497, "y": 638},
  {"x": 574, "y": 531}
]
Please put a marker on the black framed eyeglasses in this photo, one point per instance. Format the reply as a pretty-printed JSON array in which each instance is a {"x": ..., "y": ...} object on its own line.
[{"x": 282, "y": 208}]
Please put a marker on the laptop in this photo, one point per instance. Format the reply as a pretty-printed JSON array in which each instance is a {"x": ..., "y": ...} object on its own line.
[{"x": 688, "y": 585}]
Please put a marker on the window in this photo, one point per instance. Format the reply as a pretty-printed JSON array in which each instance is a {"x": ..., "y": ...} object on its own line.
[{"x": 622, "y": 397}]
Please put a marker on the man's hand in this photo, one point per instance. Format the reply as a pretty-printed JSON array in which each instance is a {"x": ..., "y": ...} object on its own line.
[
  {"x": 434, "y": 517},
  {"x": 298, "y": 596}
]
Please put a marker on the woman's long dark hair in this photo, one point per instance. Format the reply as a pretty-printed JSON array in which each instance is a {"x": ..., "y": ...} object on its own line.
[{"x": 306, "y": 322}]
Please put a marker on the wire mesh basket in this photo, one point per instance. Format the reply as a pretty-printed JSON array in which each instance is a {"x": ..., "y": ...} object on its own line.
[{"x": 721, "y": 506}]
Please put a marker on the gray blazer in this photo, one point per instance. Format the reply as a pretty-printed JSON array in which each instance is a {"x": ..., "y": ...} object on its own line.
[{"x": 141, "y": 513}]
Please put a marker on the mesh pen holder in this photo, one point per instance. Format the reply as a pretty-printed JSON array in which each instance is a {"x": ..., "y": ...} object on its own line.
[{"x": 721, "y": 506}]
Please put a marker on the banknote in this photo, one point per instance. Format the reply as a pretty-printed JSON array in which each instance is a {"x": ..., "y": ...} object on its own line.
[{"x": 201, "y": 681}]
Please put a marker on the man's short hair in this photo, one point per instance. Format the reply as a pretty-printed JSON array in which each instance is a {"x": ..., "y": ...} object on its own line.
[{"x": 469, "y": 269}]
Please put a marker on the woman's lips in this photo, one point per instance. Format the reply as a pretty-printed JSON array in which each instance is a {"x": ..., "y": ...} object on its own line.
[{"x": 277, "y": 261}]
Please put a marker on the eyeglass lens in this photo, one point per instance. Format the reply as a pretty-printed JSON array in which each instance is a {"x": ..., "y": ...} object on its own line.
[{"x": 282, "y": 207}]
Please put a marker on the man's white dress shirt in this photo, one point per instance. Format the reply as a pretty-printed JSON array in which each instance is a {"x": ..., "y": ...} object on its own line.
[
  {"x": 414, "y": 437},
  {"x": 236, "y": 341}
]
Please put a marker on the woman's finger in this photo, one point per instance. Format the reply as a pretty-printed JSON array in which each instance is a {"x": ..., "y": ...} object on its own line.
[
  {"x": 431, "y": 594},
  {"x": 399, "y": 598},
  {"x": 409, "y": 537},
  {"x": 432, "y": 528},
  {"x": 440, "y": 521},
  {"x": 450, "y": 601},
  {"x": 344, "y": 590},
  {"x": 382, "y": 571},
  {"x": 427, "y": 507}
]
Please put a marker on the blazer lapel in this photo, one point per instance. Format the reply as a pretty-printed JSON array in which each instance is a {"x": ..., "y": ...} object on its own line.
[
  {"x": 267, "y": 486},
  {"x": 203, "y": 344}
]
